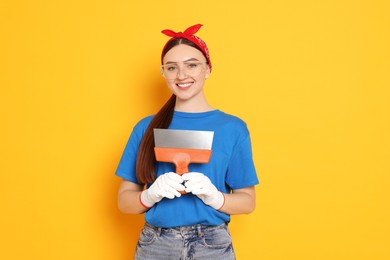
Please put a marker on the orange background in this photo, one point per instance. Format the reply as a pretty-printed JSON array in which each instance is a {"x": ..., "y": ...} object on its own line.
[{"x": 310, "y": 78}]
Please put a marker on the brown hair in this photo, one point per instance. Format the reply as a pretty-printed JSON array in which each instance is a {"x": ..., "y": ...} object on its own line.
[{"x": 146, "y": 160}]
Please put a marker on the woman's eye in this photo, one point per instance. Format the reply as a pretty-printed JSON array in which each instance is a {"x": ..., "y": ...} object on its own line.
[
  {"x": 192, "y": 65},
  {"x": 171, "y": 68}
]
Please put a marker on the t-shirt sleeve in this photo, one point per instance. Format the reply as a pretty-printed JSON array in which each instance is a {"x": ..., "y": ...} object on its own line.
[
  {"x": 241, "y": 170},
  {"x": 127, "y": 164}
]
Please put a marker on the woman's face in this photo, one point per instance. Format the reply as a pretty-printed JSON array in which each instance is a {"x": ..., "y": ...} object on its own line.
[{"x": 184, "y": 83}]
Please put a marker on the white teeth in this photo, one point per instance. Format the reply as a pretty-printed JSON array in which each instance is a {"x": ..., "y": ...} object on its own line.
[{"x": 184, "y": 85}]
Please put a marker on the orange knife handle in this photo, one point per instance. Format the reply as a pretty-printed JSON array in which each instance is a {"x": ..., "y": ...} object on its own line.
[
  {"x": 181, "y": 167},
  {"x": 181, "y": 161}
]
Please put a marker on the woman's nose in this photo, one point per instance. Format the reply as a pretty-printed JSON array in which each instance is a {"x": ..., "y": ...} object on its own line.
[{"x": 181, "y": 74}]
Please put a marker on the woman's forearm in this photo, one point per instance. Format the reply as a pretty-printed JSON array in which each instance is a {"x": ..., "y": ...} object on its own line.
[
  {"x": 128, "y": 198},
  {"x": 241, "y": 201},
  {"x": 128, "y": 202}
]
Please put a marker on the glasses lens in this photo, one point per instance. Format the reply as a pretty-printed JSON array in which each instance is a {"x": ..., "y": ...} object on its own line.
[{"x": 192, "y": 69}]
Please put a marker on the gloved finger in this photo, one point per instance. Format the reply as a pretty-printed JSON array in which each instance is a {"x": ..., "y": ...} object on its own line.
[
  {"x": 195, "y": 183},
  {"x": 171, "y": 193},
  {"x": 174, "y": 177},
  {"x": 168, "y": 195},
  {"x": 197, "y": 190},
  {"x": 201, "y": 180},
  {"x": 191, "y": 175},
  {"x": 200, "y": 191},
  {"x": 194, "y": 191},
  {"x": 198, "y": 187},
  {"x": 175, "y": 185},
  {"x": 196, "y": 178}
]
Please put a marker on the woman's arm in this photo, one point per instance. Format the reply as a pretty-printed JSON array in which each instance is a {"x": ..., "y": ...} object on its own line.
[
  {"x": 130, "y": 194},
  {"x": 241, "y": 201},
  {"x": 128, "y": 198}
]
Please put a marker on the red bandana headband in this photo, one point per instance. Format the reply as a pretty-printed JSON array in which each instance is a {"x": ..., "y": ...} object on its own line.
[{"x": 189, "y": 35}]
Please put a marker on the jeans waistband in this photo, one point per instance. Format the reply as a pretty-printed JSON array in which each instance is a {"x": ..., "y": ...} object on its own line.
[{"x": 200, "y": 229}]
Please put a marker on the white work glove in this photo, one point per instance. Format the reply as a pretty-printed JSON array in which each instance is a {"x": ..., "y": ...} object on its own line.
[
  {"x": 167, "y": 185},
  {"x": 201, "y": 186}
]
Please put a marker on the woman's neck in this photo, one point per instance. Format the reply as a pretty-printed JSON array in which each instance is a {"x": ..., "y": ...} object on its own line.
[{"x": 193, "y": 106}]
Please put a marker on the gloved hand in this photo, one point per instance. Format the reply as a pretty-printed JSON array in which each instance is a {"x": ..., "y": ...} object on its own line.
[
  {"x": 165, "y": 186},
  {"x": 201, "y": 186}
]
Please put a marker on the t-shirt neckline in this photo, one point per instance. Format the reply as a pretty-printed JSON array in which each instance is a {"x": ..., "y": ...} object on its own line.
[{"x": 196, "y": 114}]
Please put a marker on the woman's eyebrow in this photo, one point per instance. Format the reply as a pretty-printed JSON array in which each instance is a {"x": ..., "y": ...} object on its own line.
[{"x": 174, "y": 62}]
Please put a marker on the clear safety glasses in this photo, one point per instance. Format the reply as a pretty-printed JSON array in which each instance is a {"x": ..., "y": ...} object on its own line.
[{"x": 189, "y": 68}]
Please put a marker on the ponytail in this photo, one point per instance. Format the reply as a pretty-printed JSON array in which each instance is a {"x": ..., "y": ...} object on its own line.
[{"x": 146, "y": 160}]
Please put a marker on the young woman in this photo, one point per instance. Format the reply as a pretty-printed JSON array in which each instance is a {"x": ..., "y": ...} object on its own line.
[{"x": 191, "y": 225}]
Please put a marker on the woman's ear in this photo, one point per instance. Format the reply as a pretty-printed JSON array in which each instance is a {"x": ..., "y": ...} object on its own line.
[{"x": 208, "y": 72}]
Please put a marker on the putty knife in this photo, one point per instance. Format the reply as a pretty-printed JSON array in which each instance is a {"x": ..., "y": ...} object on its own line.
[{"x": 182, "y": 147}]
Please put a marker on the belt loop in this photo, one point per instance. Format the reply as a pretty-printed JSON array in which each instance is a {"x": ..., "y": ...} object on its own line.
[
  {"x": 199, "y": 229},
  {"x": 158, "y": 231}
]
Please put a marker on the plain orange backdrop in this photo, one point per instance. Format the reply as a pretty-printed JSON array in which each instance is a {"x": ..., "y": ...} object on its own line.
[{"x": 310, "y": 78}]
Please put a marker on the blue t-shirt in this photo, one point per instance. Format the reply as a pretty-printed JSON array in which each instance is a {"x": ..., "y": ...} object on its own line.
[{"x": 230, "y": 167}]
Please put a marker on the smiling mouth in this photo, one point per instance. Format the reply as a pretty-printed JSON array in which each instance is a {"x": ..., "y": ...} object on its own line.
[{"x": 184, "y": 85}]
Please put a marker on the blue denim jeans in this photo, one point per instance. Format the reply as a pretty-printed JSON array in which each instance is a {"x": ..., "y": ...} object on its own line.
[{"x": 185, "y": 243}]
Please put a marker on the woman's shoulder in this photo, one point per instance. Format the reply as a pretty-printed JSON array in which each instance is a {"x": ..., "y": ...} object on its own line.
[
  {"x": 232, "y": 120},
  {"x": 143, "y": 123},
  {"x": 145, "y": 120}
]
